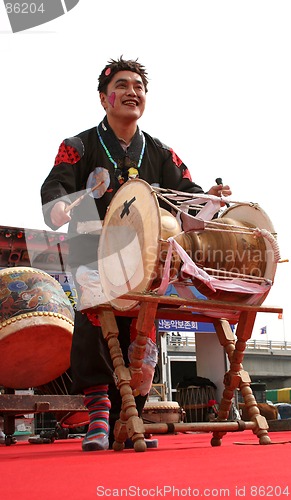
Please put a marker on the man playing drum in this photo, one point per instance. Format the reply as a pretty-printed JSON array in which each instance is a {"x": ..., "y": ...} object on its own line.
[{"x": 100, "y": 160}]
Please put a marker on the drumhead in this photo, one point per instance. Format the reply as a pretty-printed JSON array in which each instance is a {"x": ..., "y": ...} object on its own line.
[
  {"x": 255, "y": 215},
  {"x": 129, "y": 245},
  {"x": 236, "y": 252}
]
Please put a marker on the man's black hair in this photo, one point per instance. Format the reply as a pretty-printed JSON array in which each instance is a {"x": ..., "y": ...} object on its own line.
[{"x": 120, "y": 65}]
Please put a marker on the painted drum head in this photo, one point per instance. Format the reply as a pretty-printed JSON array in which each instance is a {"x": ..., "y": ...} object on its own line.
[{"x": 36, "y": 328}]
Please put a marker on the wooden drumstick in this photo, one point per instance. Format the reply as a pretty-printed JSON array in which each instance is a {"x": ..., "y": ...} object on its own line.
[{"x": 78, "y": 200}]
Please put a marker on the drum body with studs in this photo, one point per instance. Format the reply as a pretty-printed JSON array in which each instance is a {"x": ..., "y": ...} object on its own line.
[{"x": 36, "y": 327}]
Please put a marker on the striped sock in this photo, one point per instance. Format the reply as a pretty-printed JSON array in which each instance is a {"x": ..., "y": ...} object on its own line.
[{"x": 98, "y": 404}]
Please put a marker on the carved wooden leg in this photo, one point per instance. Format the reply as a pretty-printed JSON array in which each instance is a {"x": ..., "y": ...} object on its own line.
[
  {"x": 261, "y": 429},
  {"x": 145, "y": 323},
  {"x": 236, "y": 377},
  {"x": 225, "y": 336},
  {"x": 129, "y": 424},
  {"x": 244, "y": 332}
]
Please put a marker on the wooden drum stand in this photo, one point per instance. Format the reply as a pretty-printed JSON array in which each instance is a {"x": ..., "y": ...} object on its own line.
[
  {"x": 144, "y": 248},
  {"x": 153, "y": 307}
]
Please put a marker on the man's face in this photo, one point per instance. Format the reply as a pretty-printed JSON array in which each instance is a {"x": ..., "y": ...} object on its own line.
[{"x": 125, "y": 98}]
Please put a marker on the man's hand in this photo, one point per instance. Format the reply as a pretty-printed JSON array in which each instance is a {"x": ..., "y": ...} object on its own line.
[
  {"x": 219, "y": 190},
  {"x": 58, "y": 215}
]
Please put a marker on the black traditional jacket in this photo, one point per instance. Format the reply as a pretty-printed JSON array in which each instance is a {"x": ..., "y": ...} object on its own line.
[{"x": 98, "y": 148}]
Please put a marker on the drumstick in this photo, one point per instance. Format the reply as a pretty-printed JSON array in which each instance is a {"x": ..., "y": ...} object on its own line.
[
  {"x": 218, "y": 182},
  {"x": 78, "y": 200}
]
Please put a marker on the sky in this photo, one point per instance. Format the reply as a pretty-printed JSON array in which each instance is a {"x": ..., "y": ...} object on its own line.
[{"x": 219, "y": 95}]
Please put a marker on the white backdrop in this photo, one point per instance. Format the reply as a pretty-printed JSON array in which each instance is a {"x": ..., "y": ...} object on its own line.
[{"x": 219, "y": 95}]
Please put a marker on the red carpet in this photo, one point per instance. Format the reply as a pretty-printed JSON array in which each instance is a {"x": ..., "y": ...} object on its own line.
[{"x": 184, "y": 465}]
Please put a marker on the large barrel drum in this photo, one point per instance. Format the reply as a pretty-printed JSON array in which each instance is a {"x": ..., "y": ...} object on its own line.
[
  {"x": 231, "y": 249},
  {"x": 36, "y": 326}
]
